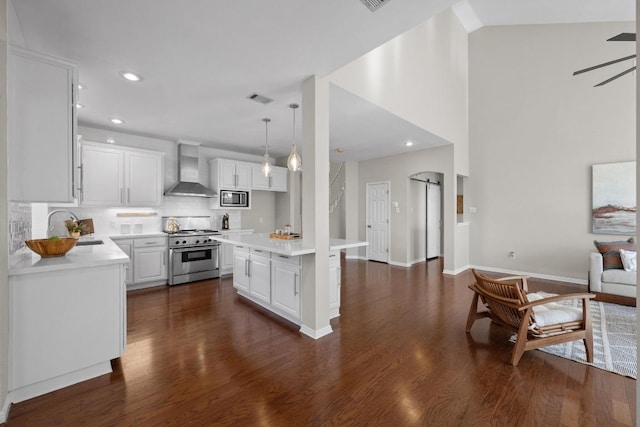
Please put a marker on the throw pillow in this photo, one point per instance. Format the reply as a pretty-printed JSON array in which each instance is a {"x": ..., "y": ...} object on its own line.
[
  {"x": 611, "y": 252},
  {"x": 628, "y": 260}
]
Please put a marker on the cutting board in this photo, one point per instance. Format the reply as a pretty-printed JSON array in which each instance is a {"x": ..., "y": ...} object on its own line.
[{"x": 291, "y": 236}]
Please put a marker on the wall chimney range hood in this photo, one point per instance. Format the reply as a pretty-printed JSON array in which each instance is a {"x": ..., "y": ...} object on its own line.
[{"x": 188, "y": 175}]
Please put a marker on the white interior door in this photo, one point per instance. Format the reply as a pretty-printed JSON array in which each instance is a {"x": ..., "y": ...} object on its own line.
[
  {"x": 434, "y": 228},
  {"x": 378, "y": 222}
]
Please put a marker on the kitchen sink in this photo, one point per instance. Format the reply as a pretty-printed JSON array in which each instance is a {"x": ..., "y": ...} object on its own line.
[{"x": 89, "y": 242}]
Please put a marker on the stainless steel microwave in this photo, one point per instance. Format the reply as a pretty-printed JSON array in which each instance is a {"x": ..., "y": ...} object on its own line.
[{"x": 234, "y": 199}]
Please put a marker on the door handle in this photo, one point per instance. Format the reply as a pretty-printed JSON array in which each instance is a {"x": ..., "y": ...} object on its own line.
[
  {"x": 295, "y": 285},
  {"x": 368, "y": 226}
]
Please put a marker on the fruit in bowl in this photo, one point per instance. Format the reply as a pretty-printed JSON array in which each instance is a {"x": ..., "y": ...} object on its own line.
[{"x": 52, "y": 247}]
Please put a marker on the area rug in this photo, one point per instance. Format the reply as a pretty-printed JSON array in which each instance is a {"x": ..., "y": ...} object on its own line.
[{"x": 614, "y": 339}]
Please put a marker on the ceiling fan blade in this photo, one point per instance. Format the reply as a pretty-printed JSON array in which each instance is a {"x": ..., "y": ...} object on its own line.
[
  {"x": 616, "y": 76},
  {"x": 623, "y": 37},
  {"x": 595, "y": 67}
]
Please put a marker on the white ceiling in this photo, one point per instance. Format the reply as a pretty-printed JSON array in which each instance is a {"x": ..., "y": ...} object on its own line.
[{"x": 200, "y": 59}]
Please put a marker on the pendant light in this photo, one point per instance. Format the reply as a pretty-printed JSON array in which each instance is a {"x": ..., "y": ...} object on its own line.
[
  {"x": 266, "y": 162},
  {"x": 294, "y": 162}
]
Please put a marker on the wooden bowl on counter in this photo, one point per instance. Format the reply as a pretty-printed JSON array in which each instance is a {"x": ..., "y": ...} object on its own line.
[{"x": 49, "y": 248}]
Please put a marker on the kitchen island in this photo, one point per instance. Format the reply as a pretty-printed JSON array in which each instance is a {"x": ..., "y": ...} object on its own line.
[
  {"x": 268, "y": 271},
  {"x": 67, "y": 317}
]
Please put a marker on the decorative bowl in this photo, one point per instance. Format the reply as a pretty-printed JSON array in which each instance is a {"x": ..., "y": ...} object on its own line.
[{"x": 49, "y": 248}]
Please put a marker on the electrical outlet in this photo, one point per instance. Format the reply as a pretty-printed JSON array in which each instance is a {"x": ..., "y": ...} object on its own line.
[{"x": 512, "y": 255}]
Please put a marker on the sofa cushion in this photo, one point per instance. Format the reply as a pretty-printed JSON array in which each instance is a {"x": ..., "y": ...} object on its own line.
[
  {"x": 552, "y": 313},
  {"x": 611, "y": 252},
  {"x": 619, "y": 276},
  {"x": 628, "y": 260}
]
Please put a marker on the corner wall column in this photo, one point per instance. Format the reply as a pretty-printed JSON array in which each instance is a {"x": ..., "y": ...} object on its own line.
[{"x": 315, "y": 207}]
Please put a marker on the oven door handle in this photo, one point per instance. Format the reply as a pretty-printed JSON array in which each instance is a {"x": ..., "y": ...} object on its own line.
[{"x": 192, "y": 248}]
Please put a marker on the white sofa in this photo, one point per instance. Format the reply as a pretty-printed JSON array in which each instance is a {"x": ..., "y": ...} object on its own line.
[{"x": 614, "y": 281}]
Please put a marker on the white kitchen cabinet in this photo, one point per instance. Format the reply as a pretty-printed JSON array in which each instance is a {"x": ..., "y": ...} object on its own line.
[
  {"x": 276, "y": 182},
  {"x": 150, "y": 259},
  {"x": 252, "y": 273},
  {"x": 285, "y": 279},
  {"x": 226, "y": 251},
  {"x": 65, "y": 326},
  {"x": 241, "y": 268},
  {"x": 144, "y": 178},
  {"x": 117, "y": 176},
  {"x": 41, "y": 125},
  {"x": 260, "y": 275},
  {"x": 126, "y": 245},
  {"x": 228, "y": 174},
  {"x": 334, "y": 284},
  {"x": 226, "y": 259},
  {"x": 101, "y": 176}
]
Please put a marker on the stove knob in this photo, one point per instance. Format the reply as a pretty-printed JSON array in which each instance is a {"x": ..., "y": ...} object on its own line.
[
  {"x": 197, "y": 241},
  {"x": 208, "y": 241},
  {"x": 177, "y": 242},
  {"x": 184, "y": 242}
]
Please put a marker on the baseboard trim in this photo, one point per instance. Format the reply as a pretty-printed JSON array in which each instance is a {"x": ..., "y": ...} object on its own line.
[
  {"x": 316, "y": 333},
  {"x": 356, "y": 257},
  {"x": 456, "y": 271},
  {"x": 6, "y": 407},
  {"x": 530, "y": 274},
  {"x": 399, "y": 264},
  {"x": 52, "y": 384}
]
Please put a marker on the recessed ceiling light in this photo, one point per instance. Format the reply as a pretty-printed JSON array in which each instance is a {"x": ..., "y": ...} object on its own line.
[
  {"x": 132, "y": 77},
  {"x": 81, "y": 86},
  {"x": 408, "y": 144},
  {"x": 116, "y": 120},
  {"x": 111, "y": 140},
  {"x": 79, "y": 106}
]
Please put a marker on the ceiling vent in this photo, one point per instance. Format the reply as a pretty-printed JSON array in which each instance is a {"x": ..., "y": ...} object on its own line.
[
  {"x": 259, "y": 98},
  {"x": 374, "y": 5}
]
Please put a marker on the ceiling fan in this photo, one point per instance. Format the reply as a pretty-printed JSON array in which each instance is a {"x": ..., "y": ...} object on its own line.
[{"x": 622, "y": 37}]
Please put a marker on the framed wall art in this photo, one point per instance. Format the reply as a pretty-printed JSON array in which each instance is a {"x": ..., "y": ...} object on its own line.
[{"x": 614, "y": 198}]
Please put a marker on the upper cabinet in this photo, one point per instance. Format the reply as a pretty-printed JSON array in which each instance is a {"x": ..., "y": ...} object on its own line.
[
  {"x": 276, "y": 182},
  {"x": 230, "y": 174},
  {"x": 41, "y": 124},
  {"x": 118, "y": 176}
]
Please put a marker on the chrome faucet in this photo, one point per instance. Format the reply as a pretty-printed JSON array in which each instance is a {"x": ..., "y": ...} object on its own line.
[{"x": 50, "y": 227}]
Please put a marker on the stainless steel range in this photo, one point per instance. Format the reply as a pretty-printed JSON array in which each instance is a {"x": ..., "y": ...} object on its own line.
[{"x": 193, "y": 255}]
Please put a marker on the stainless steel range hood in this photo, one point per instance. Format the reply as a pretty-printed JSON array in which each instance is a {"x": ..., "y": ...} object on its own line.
[{"x": 188, "y": 174}]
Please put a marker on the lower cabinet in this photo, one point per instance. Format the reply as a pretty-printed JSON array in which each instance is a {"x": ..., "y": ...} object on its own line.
[
  {"x": 241, "y": 268},
  {"x": 286, "y": 285},
  {"x": 64, "y": 326},
  {"x": 227, "y": 259},
  {"x": 127, "y": 247},
  {"x": 334, "y": 284},
  {"x": 273, "y": 281},
  {"x": 148, "y": 261},
  {"x": 260, "y": 275}
]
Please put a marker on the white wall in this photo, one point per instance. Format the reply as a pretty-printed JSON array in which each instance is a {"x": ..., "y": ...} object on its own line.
[
  {"x": 421, "y": 76},
  {"x": 4, "y": 220},
  {"x": 535, "y": 132},
  {"x": 397, "y": 170}
]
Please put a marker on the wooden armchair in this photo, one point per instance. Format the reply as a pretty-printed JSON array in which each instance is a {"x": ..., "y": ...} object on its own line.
[{"x": 538, "y": 321}]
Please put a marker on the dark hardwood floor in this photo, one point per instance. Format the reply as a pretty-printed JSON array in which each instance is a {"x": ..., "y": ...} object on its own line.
[{"x": 399, "y": 356}]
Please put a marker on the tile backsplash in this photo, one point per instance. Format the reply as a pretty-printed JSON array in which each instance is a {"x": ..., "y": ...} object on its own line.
[{"x": 19, "y": 225}]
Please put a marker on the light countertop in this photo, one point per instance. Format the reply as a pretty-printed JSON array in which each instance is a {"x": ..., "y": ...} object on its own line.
[
  {"x": 284, "y": 247},
  {"x": 27, "y": 262}
]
